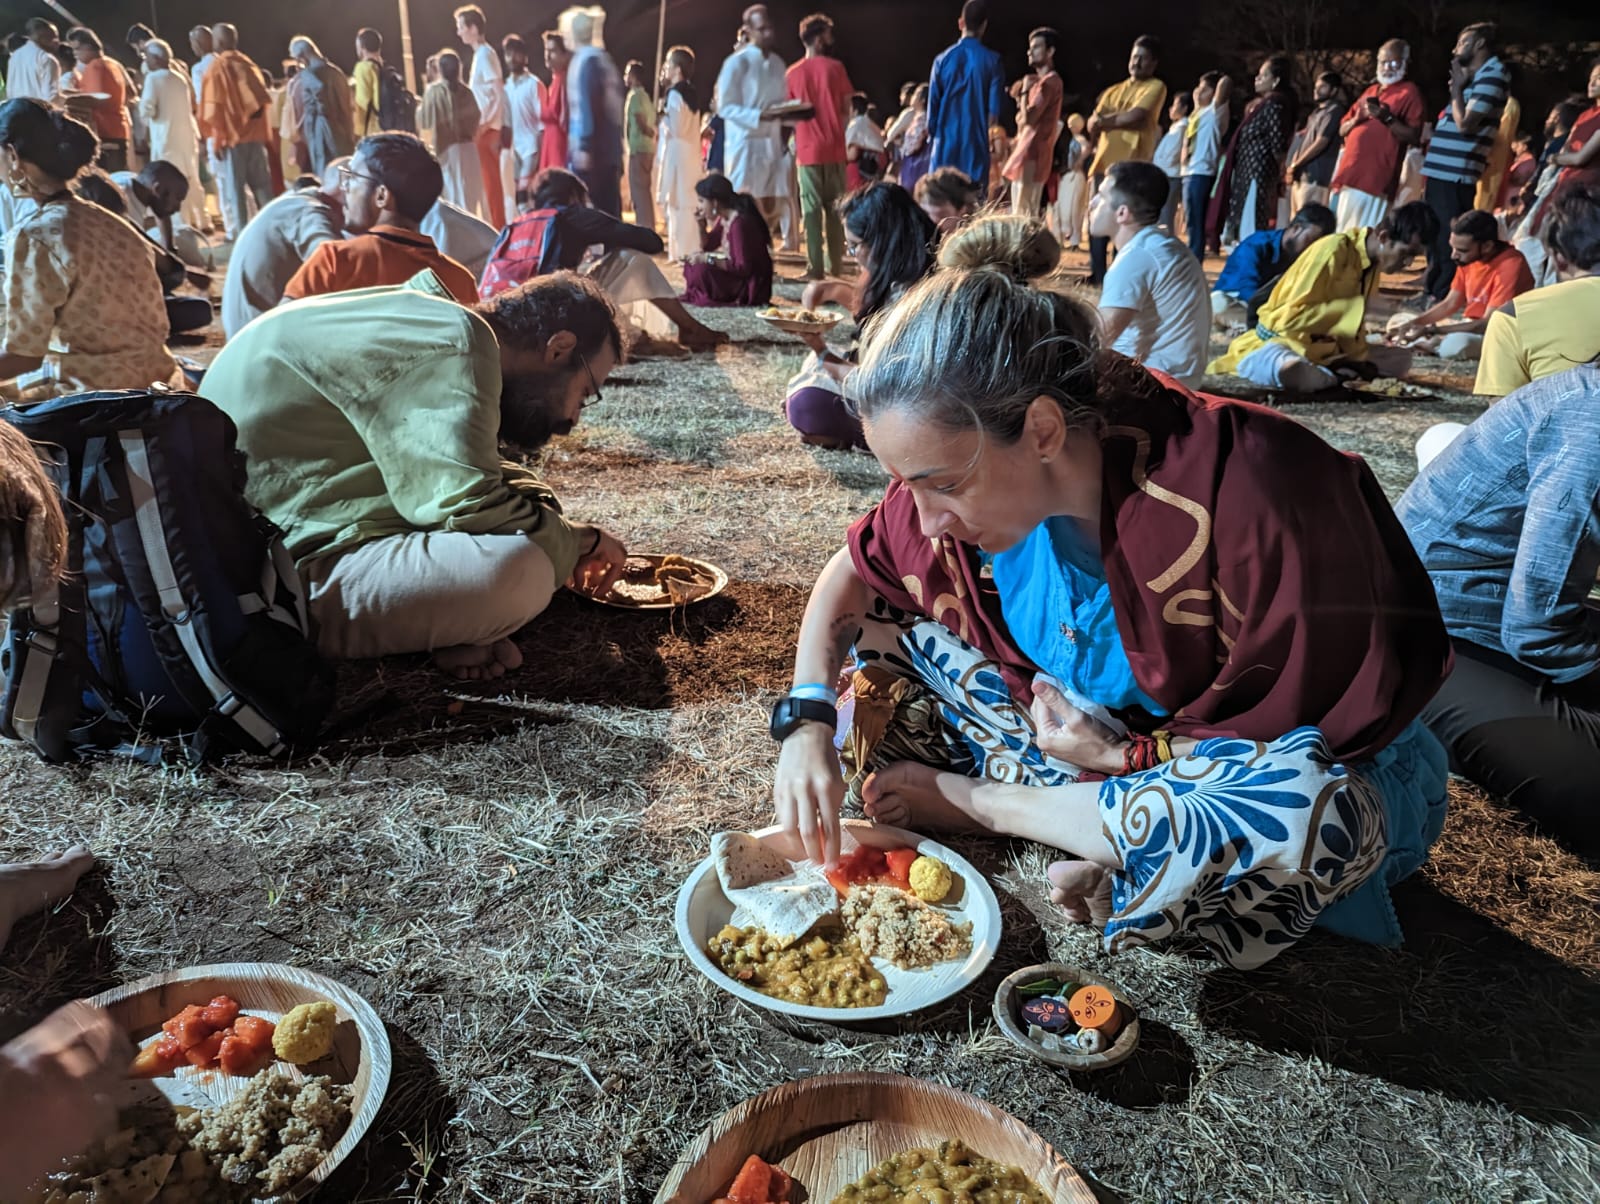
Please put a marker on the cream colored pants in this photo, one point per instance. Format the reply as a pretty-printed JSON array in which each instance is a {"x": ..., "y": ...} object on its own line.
[{"x": 426, "y": 591}]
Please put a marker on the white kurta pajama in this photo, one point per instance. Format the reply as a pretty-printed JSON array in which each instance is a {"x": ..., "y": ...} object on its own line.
[
  {"x": 753, "y": 157},
  {"x": 174, "y": 136},
  {"x": 677, "y": 172}
]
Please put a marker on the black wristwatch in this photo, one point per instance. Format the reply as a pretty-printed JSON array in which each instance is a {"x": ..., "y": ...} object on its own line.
[{"x": 790, "y": 713}]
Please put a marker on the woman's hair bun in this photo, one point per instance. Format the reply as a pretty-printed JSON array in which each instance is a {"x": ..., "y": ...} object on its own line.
[{"x": 1021, "y": 247}]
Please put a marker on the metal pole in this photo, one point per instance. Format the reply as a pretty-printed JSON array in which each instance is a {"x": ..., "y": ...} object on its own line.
[
  {"x": 62, "y": 9},
  {"x": 661, "y": 46},
  {"x": 405, "y": 47}
]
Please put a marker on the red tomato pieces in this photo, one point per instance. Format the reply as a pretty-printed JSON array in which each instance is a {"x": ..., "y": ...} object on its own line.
[
  {"x": 238, "y": 1056},
  {"x": 221, "y": 1011},
  {"x": 209, "y": 1036},
  {"x": 891, "y": 867}
]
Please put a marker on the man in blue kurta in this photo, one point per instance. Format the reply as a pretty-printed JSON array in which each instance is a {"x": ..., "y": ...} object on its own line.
[{"x": 964, "y": 99}]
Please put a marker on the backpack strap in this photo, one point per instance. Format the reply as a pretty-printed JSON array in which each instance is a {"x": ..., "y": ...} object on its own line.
[
  {"x": 152, "y": 535},
  {"x": 43, "y": 653}
]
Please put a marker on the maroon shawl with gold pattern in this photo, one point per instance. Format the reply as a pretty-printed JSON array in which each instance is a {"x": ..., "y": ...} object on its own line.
[{"x": 1260, "y": 580}]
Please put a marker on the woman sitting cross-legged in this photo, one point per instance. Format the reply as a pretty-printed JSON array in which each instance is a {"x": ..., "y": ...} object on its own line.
[
  {"x": 734, "y": 266},
  {"x": 892, "y": 239},
  {"x": 1505, "y": 520},
  {"x": 1232, "y": 593}
]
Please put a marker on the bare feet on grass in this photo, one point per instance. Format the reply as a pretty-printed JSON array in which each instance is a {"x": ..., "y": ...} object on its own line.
[
  {"x": 909, "y": 795},
  {"x": 1082, "y": 889},
  {"x": 479, "y": 662},
  {"x": 29, "y": 886}
]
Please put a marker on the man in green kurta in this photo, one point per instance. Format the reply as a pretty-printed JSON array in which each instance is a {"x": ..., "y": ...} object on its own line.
[{"x": 372, "y": 424}]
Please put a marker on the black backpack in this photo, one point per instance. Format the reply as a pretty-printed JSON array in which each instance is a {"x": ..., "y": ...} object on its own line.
[
  {"x": 397, "y": 107},
  {"x": 180, "y": 613}
]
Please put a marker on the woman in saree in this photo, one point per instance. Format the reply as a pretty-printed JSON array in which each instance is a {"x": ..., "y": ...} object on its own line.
[
  {"x": 1113, "y": 618},
  {"x": 1246, "y": 199}
]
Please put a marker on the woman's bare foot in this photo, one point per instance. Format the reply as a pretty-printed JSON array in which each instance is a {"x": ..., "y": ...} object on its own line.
[
  {"x": 28, "y": 886},
  {"x": 909, "y": 795},
  {"x": 1082, "y": 889},
  {"x": 479, "y": 662}
]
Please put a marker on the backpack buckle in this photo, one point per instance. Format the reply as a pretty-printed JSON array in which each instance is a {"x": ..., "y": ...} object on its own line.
[{"x": 43, "y": 641}]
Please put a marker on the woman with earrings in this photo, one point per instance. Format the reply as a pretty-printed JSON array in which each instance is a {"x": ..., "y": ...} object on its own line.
[{"x": 81, "y": 298}]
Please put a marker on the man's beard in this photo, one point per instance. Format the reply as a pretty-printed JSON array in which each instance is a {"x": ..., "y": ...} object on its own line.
[
  {"x": 530, "y": 409},
  {"x": 1389, "y": 78}
]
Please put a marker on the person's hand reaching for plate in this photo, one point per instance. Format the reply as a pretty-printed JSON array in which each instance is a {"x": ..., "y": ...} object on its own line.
[
  {"x": 808, "y": 791},
  {"x": 600, "y": 564},
  {"x": 56, "y": 1081}
]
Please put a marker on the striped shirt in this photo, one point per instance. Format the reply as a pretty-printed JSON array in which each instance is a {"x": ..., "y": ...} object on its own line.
[
  {"x": 1455, "y": 155},
  {"x": 1507, "y": 522}
]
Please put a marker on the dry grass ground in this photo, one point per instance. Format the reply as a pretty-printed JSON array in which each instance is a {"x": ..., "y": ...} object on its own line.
[{"x": 499, "y": 882}]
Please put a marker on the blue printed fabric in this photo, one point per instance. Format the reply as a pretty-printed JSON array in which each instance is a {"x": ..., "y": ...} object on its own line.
[{"x": 1244, "y": 844}]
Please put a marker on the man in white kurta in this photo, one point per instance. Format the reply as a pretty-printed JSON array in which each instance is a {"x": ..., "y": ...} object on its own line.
[
  {"x": 34, "y": 72},
  {"x": 174, "y": 136},
  {"x": 752, "y": 81}
]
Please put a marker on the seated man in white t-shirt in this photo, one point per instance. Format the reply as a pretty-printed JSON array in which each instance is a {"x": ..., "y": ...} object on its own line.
[{"x": 1155, "y": 305}]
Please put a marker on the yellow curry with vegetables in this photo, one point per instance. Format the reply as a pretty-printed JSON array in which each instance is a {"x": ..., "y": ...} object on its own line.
[
  {"x": 825, "y": 969},
  {"x": 951, "y": 1174}
]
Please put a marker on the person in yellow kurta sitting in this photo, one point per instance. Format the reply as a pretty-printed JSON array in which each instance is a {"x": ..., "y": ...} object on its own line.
[
  {"x": 1548, "y": 330},
  {"x": 1313, "y": 318}
]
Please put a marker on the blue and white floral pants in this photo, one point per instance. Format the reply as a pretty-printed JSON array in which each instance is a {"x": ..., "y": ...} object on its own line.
[{"x": 1245, "y": 844}]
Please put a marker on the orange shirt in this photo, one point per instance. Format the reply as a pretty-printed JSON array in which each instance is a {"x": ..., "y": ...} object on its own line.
[
  {"x": 1490, "y": 283},
  {"x": 234, "y": 102},
  {"x": 110, "y": 116},
  {"x": 385, "y": 255}
]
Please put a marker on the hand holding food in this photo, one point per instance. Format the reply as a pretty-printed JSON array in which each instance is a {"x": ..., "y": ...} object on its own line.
[
  {"x": 599, "y": 567},
  {"x": 808, "y": 791}
]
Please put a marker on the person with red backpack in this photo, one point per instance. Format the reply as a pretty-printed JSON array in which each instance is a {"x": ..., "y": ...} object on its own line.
[{"x": 553, "y": 236}]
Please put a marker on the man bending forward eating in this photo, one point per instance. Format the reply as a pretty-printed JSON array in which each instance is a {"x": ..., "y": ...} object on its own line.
[{"x": 372, "y": 423}]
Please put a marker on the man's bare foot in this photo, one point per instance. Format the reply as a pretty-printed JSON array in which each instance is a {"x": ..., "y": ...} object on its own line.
[
  {"x": 704, "y": 339},
  {"x": 479, "y": 662},
  {"x": 28, "y": 886},
  {"x": 1082, "y": 889},
  {"x": 908, "y": 795}
]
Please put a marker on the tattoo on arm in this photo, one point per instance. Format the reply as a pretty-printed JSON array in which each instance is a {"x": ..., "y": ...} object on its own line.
[{"x": 842, "y": 633}]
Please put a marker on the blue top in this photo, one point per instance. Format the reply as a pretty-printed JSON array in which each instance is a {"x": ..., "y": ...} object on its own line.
[
  {"x": 1254, "y": 261},
  {"x": 1057, "y": 604},
  {"x": 964, "y": 98},
  {"x": 1507, "y": 522},
  {"x": 595, "y": 96}
]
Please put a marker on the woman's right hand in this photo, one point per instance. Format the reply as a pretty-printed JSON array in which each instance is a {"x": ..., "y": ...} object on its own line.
[{"x": 808, "y": 791}]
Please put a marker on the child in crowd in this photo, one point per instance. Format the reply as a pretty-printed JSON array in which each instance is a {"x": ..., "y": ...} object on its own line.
[
  {"x": 1073, "y": 152},
  {"x": 1169, "y": 154}
]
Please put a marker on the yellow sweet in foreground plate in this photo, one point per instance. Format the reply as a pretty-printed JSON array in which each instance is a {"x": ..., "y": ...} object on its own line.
[
  {"x": 305, "y": 1033},
  {"x": 930, "y": 879}
]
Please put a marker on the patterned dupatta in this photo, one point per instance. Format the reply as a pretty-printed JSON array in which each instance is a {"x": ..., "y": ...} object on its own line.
[{"x": 1260, "y": 580}]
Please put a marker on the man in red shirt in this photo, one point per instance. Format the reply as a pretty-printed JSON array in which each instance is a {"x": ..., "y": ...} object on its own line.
[
  {"x": 97, "y": 74},
  {"x": 1038, "y": 97},
  {"x": 821, "y": 81},
  {"x": 389, "y": 186},
  {"x": 1384, "y": 120},
  {"x": 1489, "y": 273}
]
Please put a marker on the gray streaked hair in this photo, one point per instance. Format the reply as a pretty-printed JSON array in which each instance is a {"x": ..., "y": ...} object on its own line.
[
  {"x": 158, "y": 48},
  {"x": 971, "y": 347}
]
